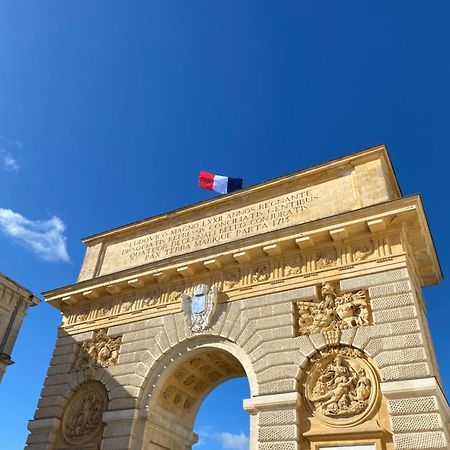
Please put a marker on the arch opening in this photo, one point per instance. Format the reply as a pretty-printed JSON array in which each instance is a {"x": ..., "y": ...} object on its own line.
[{"x": 179, "y": 392}]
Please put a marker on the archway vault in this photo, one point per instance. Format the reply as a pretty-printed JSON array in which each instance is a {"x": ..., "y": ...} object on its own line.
[{"x": 178, "y": 384}]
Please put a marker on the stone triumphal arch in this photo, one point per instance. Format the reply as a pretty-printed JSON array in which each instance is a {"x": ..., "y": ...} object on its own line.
[{"x": 309, "y": 285}]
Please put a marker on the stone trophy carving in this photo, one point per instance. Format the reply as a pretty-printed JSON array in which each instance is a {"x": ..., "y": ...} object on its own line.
[
  {"x": 82, "y": 419},
  {"x": 334, "y": 312},
  {"x": 101, "y": 351},
  {"x": 341, "y": 387},
  {"x": 199, "y": 308}
]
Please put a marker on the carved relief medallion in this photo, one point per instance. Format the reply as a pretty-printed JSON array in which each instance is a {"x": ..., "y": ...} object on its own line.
[
  {"x": 333, "y": 312},
  {"x": 82, "y": 419},
  {"x": 199, "y": 308},
  {"x": 101, "y": 351},
  {"x": 341, "y": 387}
]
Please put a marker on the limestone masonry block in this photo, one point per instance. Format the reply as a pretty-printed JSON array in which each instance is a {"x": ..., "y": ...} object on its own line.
[
  {"x": 417, "y": 422},
  {"x": 421, "y": 441},
  {"x": 366, "y": 281},
  {"x": 278, "y": 417},
  {"x": 278, "y": 433}
]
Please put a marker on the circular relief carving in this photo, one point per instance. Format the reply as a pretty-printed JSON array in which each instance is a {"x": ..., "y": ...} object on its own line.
[
  {"x": 82, "y": 419},
  {"x": 341, "y": 387}
]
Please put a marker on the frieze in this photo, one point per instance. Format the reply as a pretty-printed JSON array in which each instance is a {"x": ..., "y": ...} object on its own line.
[{"x": 303, "y": 264}]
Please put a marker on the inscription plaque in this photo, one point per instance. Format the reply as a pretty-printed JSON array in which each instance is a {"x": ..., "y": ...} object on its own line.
[{"x": 279, "y": 212}]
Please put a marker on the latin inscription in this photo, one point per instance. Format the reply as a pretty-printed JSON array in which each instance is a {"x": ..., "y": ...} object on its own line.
[
  {"x": 215, "y": 230},
  {"x": 275, "y": 213}
]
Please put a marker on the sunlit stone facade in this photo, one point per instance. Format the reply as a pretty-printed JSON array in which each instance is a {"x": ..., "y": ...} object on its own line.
[
  {"x": 14, "y": 303},
  {"x": 309, "y": 285}
]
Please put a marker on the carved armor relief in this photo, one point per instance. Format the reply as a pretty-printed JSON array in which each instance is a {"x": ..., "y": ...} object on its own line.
[
  {"x": 101, "y": 351},
  {"x": 82, "y": 418},
  {"x": 333, "y": 313},
  {"x": 341, "y": 387}
]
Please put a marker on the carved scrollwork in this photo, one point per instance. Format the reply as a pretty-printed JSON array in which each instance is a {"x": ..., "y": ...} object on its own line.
[
  {"x": 341, "y": 386},
  {"x": 82, "y": 418},
  {"x": 333, "y": 312},
  {"x": 101, "y": 351}
]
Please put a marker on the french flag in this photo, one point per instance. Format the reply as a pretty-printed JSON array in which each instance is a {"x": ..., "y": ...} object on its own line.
[{"x": 218, "y": 183}]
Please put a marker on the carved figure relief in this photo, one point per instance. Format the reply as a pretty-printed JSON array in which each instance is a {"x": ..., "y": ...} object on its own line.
[
  {"x": 101, "y": 351},
  {"x": 292, "y": 267},
  {"x": 261, "y": 273},
  {"x": 152, "y": 298},
  {"x": 333, "y": 312},
  {"x": 362, "y": 252},
  {"x": 82, "y": 419},
  {"x": 231, "y": 280},
  {"x": 199, "y": 308},
  {"x": 82, "y": 316},
  {"x": 104, "y": 310},
  {"x": 174, "y": 296},
  {"x": 126, "y": 306},
  {"x": 341, "y": 386},
  {"x": 326, "y": 259}
]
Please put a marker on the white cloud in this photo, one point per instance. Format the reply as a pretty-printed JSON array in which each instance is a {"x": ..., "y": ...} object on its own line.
[
  {"x": 8, "y": 151},
  {"x": 229, "y": 441},
  {"x": 233, "y": 441},
  {"x": 44, "y": 238},
  {"x": 9, "y": 163}
]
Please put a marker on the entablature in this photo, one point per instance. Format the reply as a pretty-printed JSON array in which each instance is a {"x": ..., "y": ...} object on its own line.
[{"x": 363, "y": 241}]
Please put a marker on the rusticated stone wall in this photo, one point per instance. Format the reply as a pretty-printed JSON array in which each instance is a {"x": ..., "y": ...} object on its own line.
[{"x": 262, "y": 335}]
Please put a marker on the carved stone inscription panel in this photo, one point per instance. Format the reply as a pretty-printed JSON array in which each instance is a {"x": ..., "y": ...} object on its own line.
[{"x": 278, "y": 212}]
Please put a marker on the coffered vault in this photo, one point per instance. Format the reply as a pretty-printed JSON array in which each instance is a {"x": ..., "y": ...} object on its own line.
[{"x": 309, "y": 285}]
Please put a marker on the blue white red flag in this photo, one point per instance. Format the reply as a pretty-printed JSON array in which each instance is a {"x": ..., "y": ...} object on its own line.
[{"x": 218, "y": 183}]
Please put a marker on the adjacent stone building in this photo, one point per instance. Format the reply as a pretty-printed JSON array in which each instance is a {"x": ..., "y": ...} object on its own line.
[
  {"x": 309, "y": 285},
  {"x": 14, "y": 303}
]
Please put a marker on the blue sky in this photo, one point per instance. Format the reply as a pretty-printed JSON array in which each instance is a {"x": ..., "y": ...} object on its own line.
[{"x": 108, "y": 110}]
